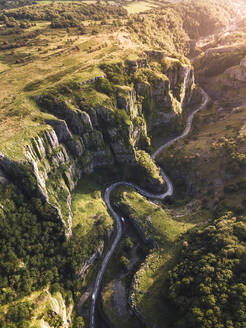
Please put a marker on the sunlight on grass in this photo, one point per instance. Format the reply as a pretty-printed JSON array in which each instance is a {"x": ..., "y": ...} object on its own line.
[
  {"x": 137, "y": 7},
  {"x": 3, "y": 67},
  {"x": 157, "y": 222},
  {"x": 88, "y": 204}
]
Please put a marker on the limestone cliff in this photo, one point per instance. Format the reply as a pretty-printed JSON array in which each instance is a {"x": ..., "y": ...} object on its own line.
[
  {"x": 108, "y": 128},
  {"x": 236, "y": 76},
  {"x": 166, "y": 87}
]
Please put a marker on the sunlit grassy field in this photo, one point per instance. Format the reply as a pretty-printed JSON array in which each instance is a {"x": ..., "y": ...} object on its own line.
[
  {"x": 54, "y": 56},
  {"x": 132, "y": 7},
  {"x": 139, "y": 6},
  {"x": 88, "y": 204}
]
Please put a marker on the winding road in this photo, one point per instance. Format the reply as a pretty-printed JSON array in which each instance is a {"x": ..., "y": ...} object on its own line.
[{"x": 143, "y": 192}]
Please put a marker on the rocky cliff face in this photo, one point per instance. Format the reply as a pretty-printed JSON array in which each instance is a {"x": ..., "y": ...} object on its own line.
[
  {"x": 79, "y": 137},
  {"x": 236, "y": 75},
  {"x": 55, "y": 168},
  {"x": 53, "y": 307},
  {"x": 75, "y": 143},
  {"x": 165, "y": 91}
]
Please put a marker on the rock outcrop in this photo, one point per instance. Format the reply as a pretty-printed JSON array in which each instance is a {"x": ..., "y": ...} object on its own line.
[
  {"x": 165, "y": 92},
  {"x": 236, "y": 75},
  {"x": 90, "y": 261},
  {"x": 56, "y": 305}
]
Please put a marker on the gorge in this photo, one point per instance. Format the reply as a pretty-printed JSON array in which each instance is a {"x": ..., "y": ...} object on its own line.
[{"x": 106, "y": 89}]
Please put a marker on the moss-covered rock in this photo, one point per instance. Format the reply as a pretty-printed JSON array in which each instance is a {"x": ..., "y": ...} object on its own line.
[{"x": 147, "y": 172}]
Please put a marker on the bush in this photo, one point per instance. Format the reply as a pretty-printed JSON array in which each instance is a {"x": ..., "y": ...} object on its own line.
[
  {"x": 54, "y": 288},
  {"x": 124, "y": 262},
  {"x": 128, "y": 245},
  {"x": 78, "y": 322},
  {"x": 103, "y": 85}
]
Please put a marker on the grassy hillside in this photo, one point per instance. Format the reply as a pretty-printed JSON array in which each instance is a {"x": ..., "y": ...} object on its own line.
[{"x": 61, "y": 42}]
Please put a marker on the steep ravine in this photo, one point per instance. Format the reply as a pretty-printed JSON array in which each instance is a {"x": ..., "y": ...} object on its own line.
[
  {"x": 76, "y": 141},
  {"x": 78, "y": 137},
  {"x": 118, "y": 219}
]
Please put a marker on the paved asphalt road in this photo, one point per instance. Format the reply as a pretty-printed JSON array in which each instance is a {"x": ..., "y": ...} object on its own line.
[{"x": 143, "y": 192}]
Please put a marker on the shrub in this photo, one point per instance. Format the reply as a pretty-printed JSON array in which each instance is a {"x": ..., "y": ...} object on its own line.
[
  {"x": 103, "y": 85},
  {"x": 124, "y": 262}
]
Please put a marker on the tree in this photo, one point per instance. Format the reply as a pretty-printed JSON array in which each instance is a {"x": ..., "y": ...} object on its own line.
[
  {"x": 79, "y": 322},
  {"x": 124, "y": 262},
  {"x": 128, "y": 245}
]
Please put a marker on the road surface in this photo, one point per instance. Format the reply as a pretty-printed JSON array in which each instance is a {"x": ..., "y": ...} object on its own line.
[{"x": 143, "y": 192}]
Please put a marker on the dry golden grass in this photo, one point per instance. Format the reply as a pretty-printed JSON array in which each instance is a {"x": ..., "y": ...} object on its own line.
[{"x": 54, "y": 57}]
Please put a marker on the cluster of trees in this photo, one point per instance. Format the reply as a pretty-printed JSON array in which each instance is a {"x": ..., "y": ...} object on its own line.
[
  {"x": 161, "y": 29},
  {"x": 203, "y": 18},
  {"x": 8, "y": 4},
  {"x": 35, "y": 253},
  {"x": 62, "y": 22},
  {"x": 105, "y": 86},
  {"x": 216, "y": 63},
  {"x": 54, "y": 320},
  {"x": 17, "y": 316},
  {"x": 172, "y": 26},
  {"x": 13, "y": 23},
  {"x": 23, "y": 41},
  {"x": 207, "y": 286},
  {"x": 127, "y": 246},
  {"x": 66, "y": 14},
  {"x": 78, "y": 322},
  {"x": 83, "y": 246},
  {"x": 241, "y": 185},
  {"x": 229, "y": 148},
  {"x": 116, "y": 73},
  {"x": 33, "y": 246},
  {"x": 146, "y": 164},
  {"x": 224, "y": 204}
]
